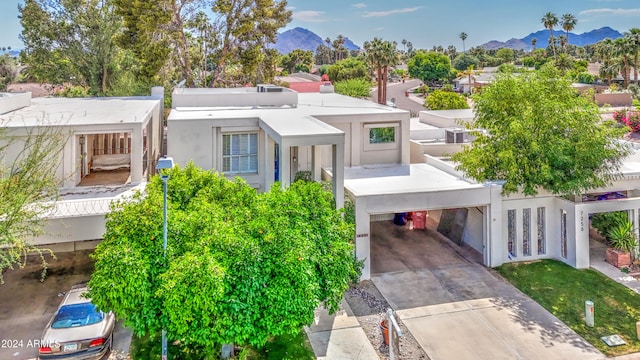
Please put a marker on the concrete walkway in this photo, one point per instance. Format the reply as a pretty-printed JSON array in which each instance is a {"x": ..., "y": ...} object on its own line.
[
  {"x": 339, "y": 336},
  {"x": 458, "y": 309}
]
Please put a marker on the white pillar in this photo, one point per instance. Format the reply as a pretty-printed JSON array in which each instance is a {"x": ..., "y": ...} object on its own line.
[
  {"x": 316, "y": 163},
  {"x": 496, "y": 241},
  {"x": 269, "y": 162},
  {"x": 338, "y": 174},
  {"x": 285, "y": 162},
  {"x": 363, "y": 237},
  {"x": 136, "y": 156},
  {"x": 581, "y": 236}
]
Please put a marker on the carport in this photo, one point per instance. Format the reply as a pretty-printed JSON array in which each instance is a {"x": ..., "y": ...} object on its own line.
[{"x": 383, "y": 190}]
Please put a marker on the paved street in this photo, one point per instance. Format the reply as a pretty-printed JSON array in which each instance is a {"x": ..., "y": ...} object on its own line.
[{"x": 397, "y": 90}]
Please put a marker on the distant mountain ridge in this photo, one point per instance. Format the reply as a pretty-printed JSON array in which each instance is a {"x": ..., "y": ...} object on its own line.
[
  {"x": 304, "y": 39},
  {"x": 542, "y": 38}
]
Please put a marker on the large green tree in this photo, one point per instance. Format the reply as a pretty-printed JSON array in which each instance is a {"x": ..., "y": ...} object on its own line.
[
  {"x": 540, "y": 135},
  {"x": 245, "y": 29},
  {"x": 347, "y": 69},
  {"x": 71, "y": 41},
  {"x": 240, "y": 268},
  {"x": 429, "y": 66}
]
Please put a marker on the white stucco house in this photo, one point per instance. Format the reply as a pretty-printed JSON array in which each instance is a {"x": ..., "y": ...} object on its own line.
[
  {"x": 267, "y": 134},
  {"x": 110, "y": 149},
  {"x": 385, "y": 162}
]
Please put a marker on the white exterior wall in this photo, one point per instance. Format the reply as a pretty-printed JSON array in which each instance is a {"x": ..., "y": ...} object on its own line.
[
  {"x": 71, "y": 229},
  {"x": 552, "y": 230},
  {"x": 474, "y": 229}
]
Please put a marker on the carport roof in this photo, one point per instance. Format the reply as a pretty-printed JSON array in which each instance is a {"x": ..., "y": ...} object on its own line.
[{"x": 401, "y": 179}]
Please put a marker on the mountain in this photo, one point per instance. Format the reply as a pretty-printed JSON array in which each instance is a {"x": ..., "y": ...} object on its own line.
[
  {"x": 542, "y": 37},
  {"x": 300, "y": 38}
]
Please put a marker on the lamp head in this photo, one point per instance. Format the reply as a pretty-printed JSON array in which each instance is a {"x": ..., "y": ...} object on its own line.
[{"x": 165, "y": 162}]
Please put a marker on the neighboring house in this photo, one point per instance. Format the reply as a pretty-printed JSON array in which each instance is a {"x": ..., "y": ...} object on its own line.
[
  {"x": 517, "y": 227},
  {"x": 111, "y": 147}
]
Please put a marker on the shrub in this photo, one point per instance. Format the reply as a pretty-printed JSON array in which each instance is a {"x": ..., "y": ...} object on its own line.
[
  {"x": 605, "y": 222},
  {"x": 359, "y": 88},
  {"x": 632, "y": 120},
  {"x": 445, "y": 100}
]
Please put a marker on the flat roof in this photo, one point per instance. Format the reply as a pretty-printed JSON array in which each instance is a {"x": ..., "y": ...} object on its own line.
[
  {"x": 303, "y": 126},
  {"x": 461, "y": 114},
  {"x": 401, "y": 179},
  {"x": 309, "y": 104},
  {"x": 81, "y": 111}
]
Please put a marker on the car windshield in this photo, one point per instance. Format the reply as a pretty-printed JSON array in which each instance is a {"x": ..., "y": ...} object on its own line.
[{"x": 76, "y": 315}]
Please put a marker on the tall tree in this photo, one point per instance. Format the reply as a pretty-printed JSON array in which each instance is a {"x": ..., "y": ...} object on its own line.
[
  {"x": 534, "y": 41},
  {"x": 568, "y": 23},
  {"x": 245, "y": 28},
  {"x": 71, "y": 41},
  {"x": 241, "y": 266},
  {"x": 28, "y": 189},
  {"x": 633, "y": 36},
  {"x": 550, "y": 20},
  {"x": 623, "y": 48},
  {"x": 144, "y": 34},
  {"x": 463, "y": 36},
  {"x": 430, "y": 66},
  {"x": 380, "y": 55},
  {"x": 540, "y": 135}
]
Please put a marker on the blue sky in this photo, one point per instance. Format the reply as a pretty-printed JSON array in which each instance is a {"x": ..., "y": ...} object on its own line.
[{"x": 423, "y": 22}]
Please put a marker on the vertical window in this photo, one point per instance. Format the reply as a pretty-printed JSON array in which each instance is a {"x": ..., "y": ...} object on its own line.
[
  {"x": 526, "y": 232},
  {"x": 511, "y": 233},
  {"x": 382, "y": 135},
  {"x": 542, "y": 246},
  {"x": 240, "y": 153},
  {"x": 563, "y": 233}
]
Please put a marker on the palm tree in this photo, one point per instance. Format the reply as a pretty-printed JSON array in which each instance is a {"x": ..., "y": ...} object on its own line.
[
  {"x": 568, "y": 23},
  {"x": 381, "y": 54},
  {"x": 451, "y": 50},
  {"x": 549, "y": 20},
  {"x": 404, "y": 44},
  {"x": 623, "y": 48},
  {"x": 604, "y": 50},
  {"x": 634, "y": 39},
  {"x": 463, "y": 35},
  {"x": 534, "y": 41},
  {"x": 409, "y": 47}
]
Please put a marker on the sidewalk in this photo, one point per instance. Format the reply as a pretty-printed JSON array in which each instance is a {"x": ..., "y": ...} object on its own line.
[{"x": 339, "y": 336}]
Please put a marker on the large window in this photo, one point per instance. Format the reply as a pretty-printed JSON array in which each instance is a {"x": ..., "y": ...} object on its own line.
[
  {"x": 240, "y": 153},
  {"x": 382, "y": 135}
]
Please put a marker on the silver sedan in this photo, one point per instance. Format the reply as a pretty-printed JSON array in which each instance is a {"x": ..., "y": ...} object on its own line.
[{"x": 77, "y": 330}]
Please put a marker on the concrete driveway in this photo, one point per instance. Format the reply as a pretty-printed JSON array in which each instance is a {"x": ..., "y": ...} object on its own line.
[
  {"x": 457, "y": 308},
  {"x": 27, "y": 304}
]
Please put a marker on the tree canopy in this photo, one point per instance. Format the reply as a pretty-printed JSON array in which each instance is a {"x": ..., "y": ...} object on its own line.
[
  {"x": 445, "y": 100},
  {"x": 430, "y": 66},
  {"x": 241, "y": 266},
  {"x": 540, "y": 135},
  {"x": 347, "y": 69}
]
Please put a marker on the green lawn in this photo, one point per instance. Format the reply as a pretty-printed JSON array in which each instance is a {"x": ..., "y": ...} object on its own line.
[
  {"x": 283, "y": 347},
  {"x": 562, "y": 290}
]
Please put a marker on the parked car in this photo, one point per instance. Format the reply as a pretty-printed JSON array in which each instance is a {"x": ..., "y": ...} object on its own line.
[{"x": 77, "y": 330}]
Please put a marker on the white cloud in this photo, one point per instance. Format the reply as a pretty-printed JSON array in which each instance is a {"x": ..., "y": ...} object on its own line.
[
  {"x": 390, "y": 12},
  {"x": 359, "y": 5},
  {"x": 309, "y": 16},
  {"x": 608, "y": 11}
]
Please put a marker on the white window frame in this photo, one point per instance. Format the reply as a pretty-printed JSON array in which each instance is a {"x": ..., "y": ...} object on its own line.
[
  {"x": 367, "y": 145},
  {"x": 247, "y": 156}
]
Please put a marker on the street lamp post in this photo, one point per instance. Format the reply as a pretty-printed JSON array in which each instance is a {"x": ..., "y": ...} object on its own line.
[{"x": 164, "y": 162}]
